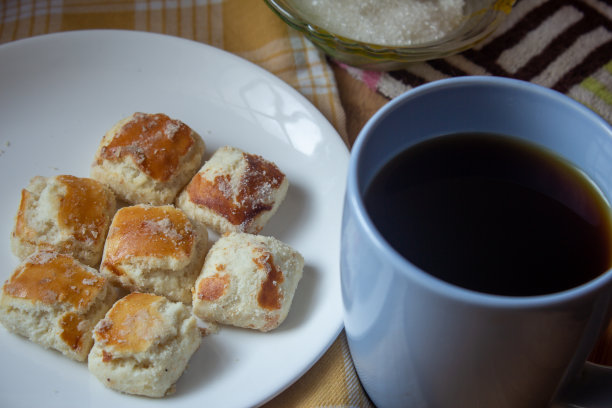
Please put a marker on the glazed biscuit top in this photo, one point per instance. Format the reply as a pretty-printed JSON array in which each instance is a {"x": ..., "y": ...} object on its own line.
[
  {"x": 134, "y": 324},
  {"x": 213, "y": 287},
  {"x": 240, "y": 197},
  {"x": 82, "y": 208},
  {"x": 148, "y": 231},
  {"x": 54, "y": 279},
  {"x": 269, "y": 295},
  {"x": 155, "y": 142}
]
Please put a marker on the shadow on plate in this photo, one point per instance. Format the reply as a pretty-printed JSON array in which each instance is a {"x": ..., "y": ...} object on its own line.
[
  {"x": 291, "y": 214},
  {"x": 303, "y": 300},
  {"x": 204, "y": 366}
]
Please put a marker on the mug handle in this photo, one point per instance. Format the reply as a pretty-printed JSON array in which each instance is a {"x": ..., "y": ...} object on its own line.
[{"x": 592, "y": 388}]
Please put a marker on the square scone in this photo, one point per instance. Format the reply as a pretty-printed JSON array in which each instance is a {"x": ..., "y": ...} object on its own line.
[
  {"x": 234, "y": 192},
  {"x": 248, "y": 281},
  {"x": 55, "y": 301},
  {"x": 64, "y": 213},
  {"x": 143, "y": 345},
  {"x": 154, "y": 249},
  {"x": 148, "y": 158}
]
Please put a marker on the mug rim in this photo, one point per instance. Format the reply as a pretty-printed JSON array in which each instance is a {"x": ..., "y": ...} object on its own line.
[{"x": 409, "y": 269}]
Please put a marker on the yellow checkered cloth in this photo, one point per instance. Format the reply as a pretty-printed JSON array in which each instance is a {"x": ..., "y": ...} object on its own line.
[{"x": 247, "y": 28}]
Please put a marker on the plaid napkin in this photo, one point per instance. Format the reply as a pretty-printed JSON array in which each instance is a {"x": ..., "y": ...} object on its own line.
[
  {"x": 565, "y": 45},
  {"x": 248, "y": 29}
]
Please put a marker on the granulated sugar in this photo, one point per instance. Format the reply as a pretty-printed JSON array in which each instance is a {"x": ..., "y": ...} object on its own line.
[{"x": 386, "y": 22}]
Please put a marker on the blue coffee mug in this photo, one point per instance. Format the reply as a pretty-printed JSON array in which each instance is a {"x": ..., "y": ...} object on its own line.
[{"x": 417, "y": 341}]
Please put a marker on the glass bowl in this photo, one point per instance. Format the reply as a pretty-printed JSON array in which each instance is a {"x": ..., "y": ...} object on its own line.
[{"x": 481, "y": 18}]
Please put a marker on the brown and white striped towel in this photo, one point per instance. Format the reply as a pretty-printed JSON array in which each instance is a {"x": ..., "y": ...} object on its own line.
[{"x": 565, "y": 45}]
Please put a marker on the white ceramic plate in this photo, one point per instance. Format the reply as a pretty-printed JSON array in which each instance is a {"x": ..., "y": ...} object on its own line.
[{"x": 60, "y": 93}]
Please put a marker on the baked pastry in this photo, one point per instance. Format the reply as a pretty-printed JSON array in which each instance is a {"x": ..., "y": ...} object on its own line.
[
  {"x": 55, "y": 301},
  {"x": 148, "y": 158},
  {"x": 154, "y": 249},
  {"x": 143, "y": 345},
  {"x": 247, "y": 281},
  {"x": 234, "y": 192},
  {"x": 64, "y": 213}
]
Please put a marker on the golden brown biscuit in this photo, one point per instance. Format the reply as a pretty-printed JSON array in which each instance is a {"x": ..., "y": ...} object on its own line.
[
  {"x": 55, "y": 301},
  {"x": 234, "y": 192},
  {"x": 154, "y": 249},
  {"x": 148, "y": 158},
  {"x": 143, "y": 345},
  {"x": 247, "y": 281},
  {"x": 64, "y": 213}
]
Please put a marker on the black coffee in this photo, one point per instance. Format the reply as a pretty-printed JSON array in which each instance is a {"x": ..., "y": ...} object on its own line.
[{"x": 492, "y": 214}]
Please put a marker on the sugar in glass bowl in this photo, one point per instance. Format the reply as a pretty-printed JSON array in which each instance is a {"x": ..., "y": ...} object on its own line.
[{"x": 389, "y": 34}]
